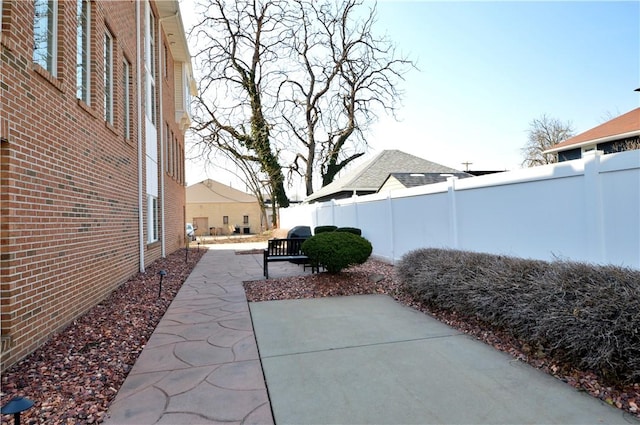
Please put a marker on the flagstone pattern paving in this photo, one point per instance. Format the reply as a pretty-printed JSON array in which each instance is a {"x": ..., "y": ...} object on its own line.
[{"x": 201, "y": 365}]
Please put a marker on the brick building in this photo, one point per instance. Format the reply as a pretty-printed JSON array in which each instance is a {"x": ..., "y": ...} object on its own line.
[{"x": 94, "y": 106}]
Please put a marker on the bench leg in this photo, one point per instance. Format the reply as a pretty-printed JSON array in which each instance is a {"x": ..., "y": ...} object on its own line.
[{"x": 265, "y": 265}]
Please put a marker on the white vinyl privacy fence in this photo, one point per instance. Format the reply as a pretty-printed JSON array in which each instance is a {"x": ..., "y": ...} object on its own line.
[{"x": 586, "y": 210}]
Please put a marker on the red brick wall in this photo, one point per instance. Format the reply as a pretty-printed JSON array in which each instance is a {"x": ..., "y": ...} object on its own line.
[{"x": 69, "y": 212}]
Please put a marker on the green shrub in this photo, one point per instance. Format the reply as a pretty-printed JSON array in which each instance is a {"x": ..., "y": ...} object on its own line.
[
  {"x": 337, "y": 250},
  {"x": 579, "y": 314},
  {"x": 353, "y": 230},
  {"x": 324, "y": 229}
]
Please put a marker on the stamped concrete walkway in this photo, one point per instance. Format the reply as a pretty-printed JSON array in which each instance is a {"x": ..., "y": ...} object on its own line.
[{"x": 201, "y": 365}]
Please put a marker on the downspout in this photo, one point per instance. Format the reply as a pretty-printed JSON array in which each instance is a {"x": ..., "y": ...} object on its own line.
[
  {"x": 139, "y": 120},
  {"x": 163, "y": 247}
]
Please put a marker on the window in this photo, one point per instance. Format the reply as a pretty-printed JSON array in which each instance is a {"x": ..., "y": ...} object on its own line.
[
  {"x": 126, "y": 98},
  {"x": 174, "y": 169},
  {"x": 82, "y": 50},
  {"x": 175, "y": 158},
  {"x": 166, "y": 61},
  {"x": 570, "y": 154},
  {"x": 153, "y": 224},
  {"x": 45, "y": 37},
  {"x": 170, "y": 168},
  {"x": 150, "y": 66},
  {"x": 181, "y": 164},
  {"x": 225, "y": 219},
  {"x": 108, "y": 77},
  {"x": 174, "y": 144},
  {"x": 167, "y": 149},
  {"x": 245, "y": 219}
]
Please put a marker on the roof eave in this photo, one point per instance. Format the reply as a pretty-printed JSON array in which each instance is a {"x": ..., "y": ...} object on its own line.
[
  {"x": 171, "y": 19},
  {"x": 594, "y": 141}
]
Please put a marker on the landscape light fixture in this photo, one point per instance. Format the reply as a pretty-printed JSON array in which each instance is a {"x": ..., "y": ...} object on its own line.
[
  {"x": 16, "y": 406},
  {"x": 162, "y": 274}
]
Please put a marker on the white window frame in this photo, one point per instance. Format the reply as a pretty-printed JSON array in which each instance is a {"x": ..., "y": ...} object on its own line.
[
  {"x": 1, "y": 20},
  {"x": 165, "y": 62},
  {"x": 174, "y": 156},
  {"x": 126, "y": 81},
  {"x": 83, "y": 51},
  {"x": 50, "y": 59},
  {"x": 169, "y": 148},
  {"x": 108, "y": 76},
  {"x": 150, "y": 65},
  {"x": 153, "y": 224}
]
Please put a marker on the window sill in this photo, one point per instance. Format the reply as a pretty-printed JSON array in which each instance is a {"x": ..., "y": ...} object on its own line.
[
  {"x": 54, "y": 81},
  {"x": 87, "y": 108},
  {"x": 111, "y": 127},
  {"x": 153, "y": 244},
  {"x": 129, "y": 142}
]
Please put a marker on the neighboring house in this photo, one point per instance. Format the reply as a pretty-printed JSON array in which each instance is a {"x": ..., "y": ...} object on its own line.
[
  {"x": 370, "y": 176},
  {"x": 406, "y": 180},
  {"x": 616, "y": 135},
  {"x": 95, "y": 98},
  {"x": 218, "y": 209}
]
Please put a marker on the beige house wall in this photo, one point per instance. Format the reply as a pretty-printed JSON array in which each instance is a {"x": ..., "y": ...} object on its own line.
[
  {"x": 214, "y": 212},
  {"x": 392, "y": 183}
]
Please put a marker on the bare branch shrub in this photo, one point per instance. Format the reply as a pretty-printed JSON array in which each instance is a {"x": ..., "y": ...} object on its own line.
[{"x": 581, "y": 314}]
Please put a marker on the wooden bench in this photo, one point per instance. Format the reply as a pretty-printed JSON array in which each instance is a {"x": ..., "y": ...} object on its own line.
[{"x": 287, "y": 249}]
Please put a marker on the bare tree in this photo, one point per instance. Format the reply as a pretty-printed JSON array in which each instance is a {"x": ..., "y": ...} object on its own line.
[
  {"x": 241, "y": 42},
  {"x": 608, "y": 115},
  {"x": 291, "y": 84},
  {"x": 544, "y": 133},
  {"x": 344, "y": 75}
]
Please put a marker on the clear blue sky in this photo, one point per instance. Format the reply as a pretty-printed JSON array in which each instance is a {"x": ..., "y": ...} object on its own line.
[{"x": 486, "y": 69}]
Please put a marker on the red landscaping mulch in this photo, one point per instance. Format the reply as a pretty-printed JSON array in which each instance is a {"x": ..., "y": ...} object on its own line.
[{"x": 76, "y": 374}]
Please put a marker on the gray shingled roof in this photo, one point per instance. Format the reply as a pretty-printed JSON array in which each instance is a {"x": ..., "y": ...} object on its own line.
[{"x": 371, "y": 175}]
